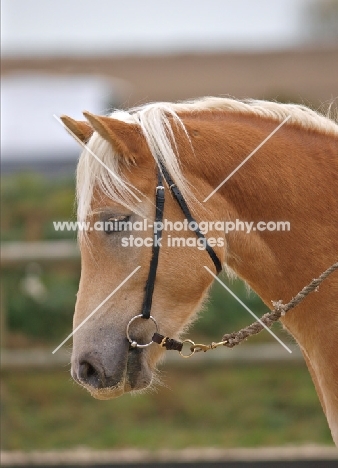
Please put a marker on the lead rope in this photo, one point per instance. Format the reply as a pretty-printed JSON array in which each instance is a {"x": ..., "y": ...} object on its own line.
[{"x": 233, "y": 339}]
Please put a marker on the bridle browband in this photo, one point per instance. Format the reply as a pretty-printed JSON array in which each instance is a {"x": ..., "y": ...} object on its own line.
[{"x": 162, "y": 172}]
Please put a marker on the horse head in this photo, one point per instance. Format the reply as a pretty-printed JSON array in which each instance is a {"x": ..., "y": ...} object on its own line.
[{"x": 116, "y": 188}]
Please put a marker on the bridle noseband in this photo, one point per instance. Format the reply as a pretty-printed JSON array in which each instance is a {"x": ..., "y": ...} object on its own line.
[{"x": 162, "y": 172}]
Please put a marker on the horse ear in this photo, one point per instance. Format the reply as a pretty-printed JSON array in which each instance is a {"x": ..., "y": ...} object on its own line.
[
  {"x": 80, "y": 128},
  {"x": 124, "y": 137}
]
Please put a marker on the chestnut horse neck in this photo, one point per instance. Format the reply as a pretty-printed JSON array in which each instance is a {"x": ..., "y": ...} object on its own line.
[
  {"x": 286, "y": 180},
  {"x": 293, "y": 178}
]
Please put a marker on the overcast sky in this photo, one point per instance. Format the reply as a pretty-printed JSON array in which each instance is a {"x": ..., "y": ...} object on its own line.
[{"x": 31, "y": 27}]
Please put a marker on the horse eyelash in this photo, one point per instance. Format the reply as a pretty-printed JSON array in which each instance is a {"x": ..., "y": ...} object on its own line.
[{"x": 115, "y": 222}]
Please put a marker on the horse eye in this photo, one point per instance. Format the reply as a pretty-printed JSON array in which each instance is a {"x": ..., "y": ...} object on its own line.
[{"x": 117, "y": 224}]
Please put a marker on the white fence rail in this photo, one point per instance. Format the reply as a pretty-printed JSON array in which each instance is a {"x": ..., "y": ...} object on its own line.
[{"x": 14, "y": 254}]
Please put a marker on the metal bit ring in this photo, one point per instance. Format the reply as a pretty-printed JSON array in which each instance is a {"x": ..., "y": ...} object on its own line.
[{"x": 133, "y": 343}]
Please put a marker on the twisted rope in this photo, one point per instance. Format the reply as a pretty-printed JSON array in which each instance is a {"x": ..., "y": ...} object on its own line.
[{"x": 232, "y": 339}]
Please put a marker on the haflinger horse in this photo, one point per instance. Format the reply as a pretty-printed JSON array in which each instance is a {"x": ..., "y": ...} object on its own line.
[{"x": 131, "y": 156}]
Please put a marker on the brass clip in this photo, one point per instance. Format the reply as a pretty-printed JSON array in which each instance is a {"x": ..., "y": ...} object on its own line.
[
  {"x": 216, "y": 345},
  {"x": 198, "y": 347}
]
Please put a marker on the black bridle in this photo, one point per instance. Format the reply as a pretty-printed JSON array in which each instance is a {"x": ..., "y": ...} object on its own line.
[
  {"x": 157, "y": 236},
  {"x": 159, "y": 207}
]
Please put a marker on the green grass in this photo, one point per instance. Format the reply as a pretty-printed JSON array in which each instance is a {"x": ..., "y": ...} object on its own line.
[{"x": 219, "y": 406}]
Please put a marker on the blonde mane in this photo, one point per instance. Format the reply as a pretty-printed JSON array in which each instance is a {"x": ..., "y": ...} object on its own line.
[{"x": 156, "y": 121}]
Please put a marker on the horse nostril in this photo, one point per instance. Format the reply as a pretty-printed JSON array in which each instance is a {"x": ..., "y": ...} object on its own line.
[{"x": 91, "y": 374}]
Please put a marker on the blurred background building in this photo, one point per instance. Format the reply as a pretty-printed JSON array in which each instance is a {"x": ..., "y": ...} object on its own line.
[{"x": 67, "y": 56}]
